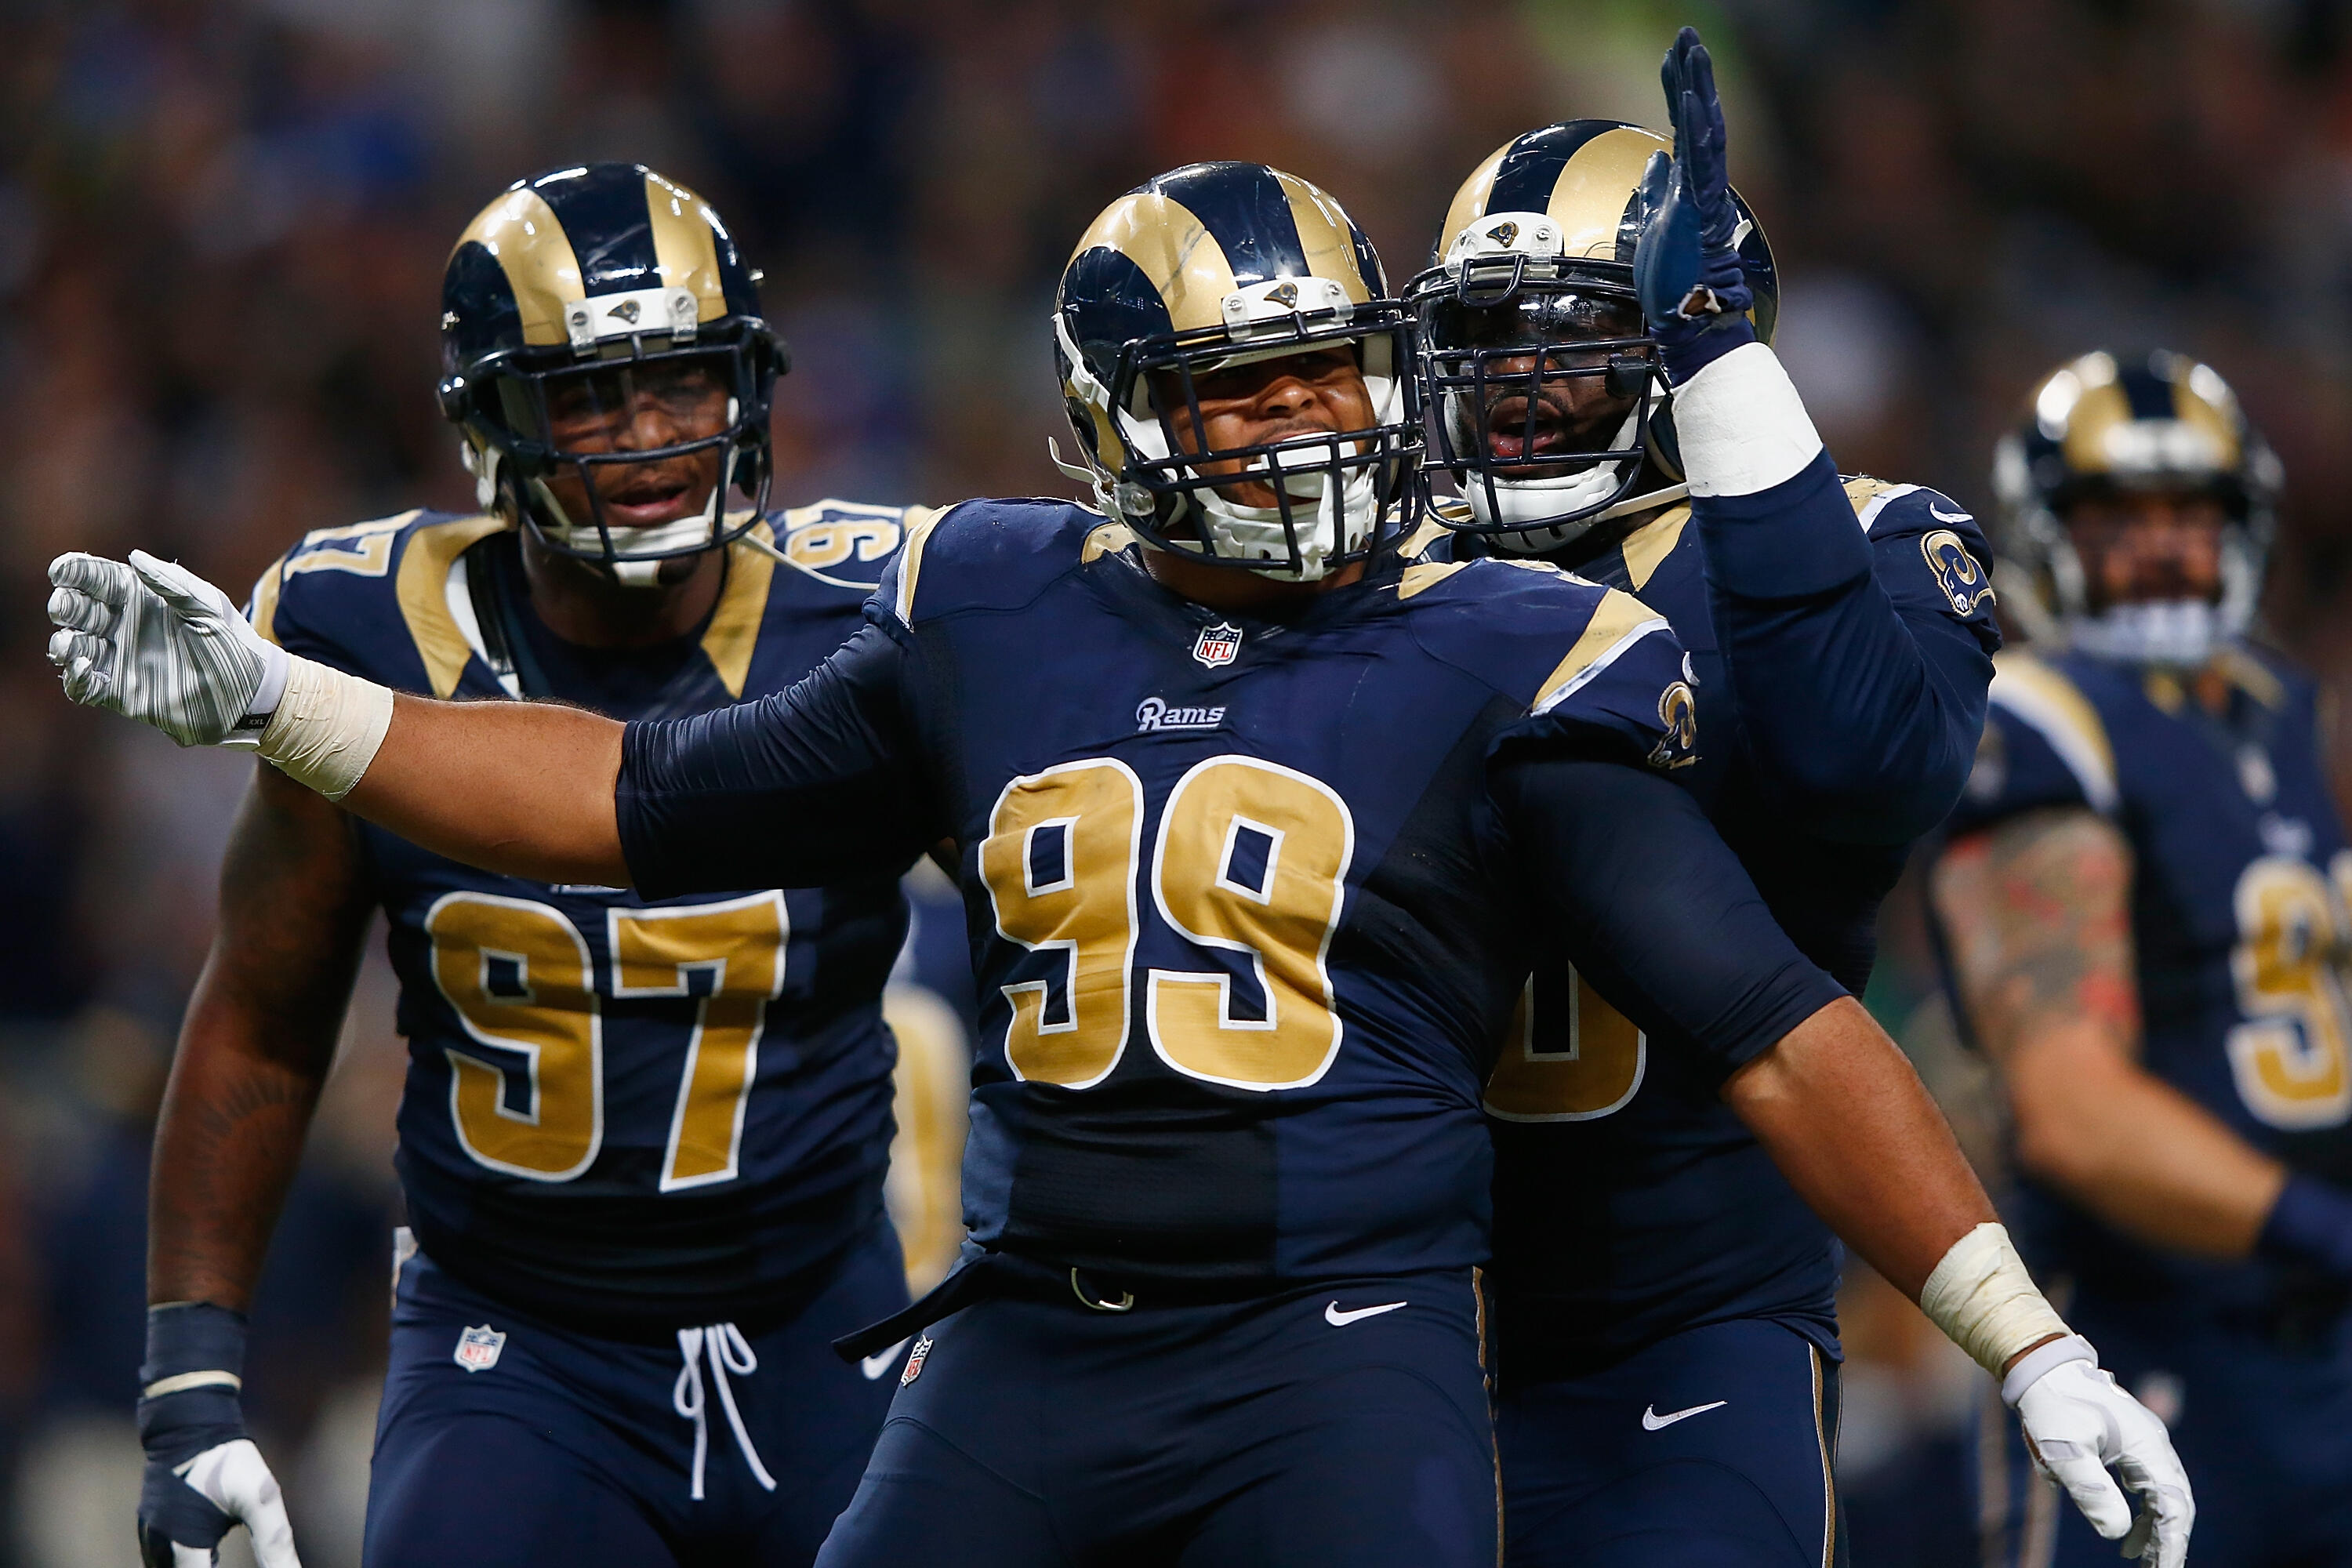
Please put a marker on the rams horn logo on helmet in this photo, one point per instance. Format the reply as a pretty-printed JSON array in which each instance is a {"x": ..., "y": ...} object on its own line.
[
  {"x": 626, "y": 309},
  {"x": 1504, "y": 233},
  {"x": 1283, "y": 293}
]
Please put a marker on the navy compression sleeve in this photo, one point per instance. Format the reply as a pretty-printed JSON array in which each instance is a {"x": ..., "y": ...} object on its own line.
[
  {"x": 1862, "y": 706},
  {"x": 815, "y": 785},
  {"x": 1630, "y": 883}
]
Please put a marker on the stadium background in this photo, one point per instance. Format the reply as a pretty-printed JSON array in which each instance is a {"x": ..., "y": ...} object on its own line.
[{"x": 222, "y": 225}]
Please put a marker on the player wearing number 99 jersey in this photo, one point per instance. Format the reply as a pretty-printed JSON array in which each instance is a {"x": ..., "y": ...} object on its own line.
[
  {"x": 643, "y": 1143},
  {"x": 2143, "y": 906}
]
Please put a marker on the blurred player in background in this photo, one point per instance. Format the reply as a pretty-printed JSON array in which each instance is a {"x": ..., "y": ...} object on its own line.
[
  {"x": 1260, "y": 829},
  {"x": 1665, "y": 1301},
  {"x": 643, "y": 1143},
  {"x": 2142, "y": 904}
]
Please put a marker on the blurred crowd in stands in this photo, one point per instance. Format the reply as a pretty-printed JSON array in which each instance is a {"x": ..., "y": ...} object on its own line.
[{"x": 222, "y": 227}]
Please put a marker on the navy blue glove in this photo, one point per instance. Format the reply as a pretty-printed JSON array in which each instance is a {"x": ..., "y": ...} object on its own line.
[
  {"x": 204, "y": 1474},
  {"x": 2310, "y": 1224},
  {"x": 1686, "y": 266}
]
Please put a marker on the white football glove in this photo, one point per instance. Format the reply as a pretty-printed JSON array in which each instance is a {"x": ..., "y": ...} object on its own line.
[
  {"x": 2077, "y": 1422},
  {"x": 235, "y": 1481},
  {"x": 153, "y": 641}
]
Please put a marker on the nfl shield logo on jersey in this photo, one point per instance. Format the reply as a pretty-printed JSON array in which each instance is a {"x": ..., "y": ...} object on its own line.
[
  {"x": 477, "y": 1349},
  {"x": 915, "y": 1361},
  {"x": 1218, "y": 644}
]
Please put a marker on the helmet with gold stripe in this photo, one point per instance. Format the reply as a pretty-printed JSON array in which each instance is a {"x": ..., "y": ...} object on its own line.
[
  {"x": 1223, "y": 275},
  {"x": 2135, "y": 508},
  {"x": 604, "y": 356},
  {"x": 1552, "y": 410}
]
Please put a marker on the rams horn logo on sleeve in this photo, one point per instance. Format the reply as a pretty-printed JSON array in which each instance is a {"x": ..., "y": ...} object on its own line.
[
  {"x": 1964, "y": 582},
  {"x": 1678, "y": 712}
]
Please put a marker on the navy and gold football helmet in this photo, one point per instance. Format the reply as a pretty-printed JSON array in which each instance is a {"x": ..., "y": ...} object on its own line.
[
  {"x": 583, "y": 282},
  {"x": 1210, "y": 268},
  {"x": 1552, "y": 410},
  {"x": 2104, "y": 425}
]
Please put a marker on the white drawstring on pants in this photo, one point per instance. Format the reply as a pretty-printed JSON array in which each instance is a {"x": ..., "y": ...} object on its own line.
[{"x": 729, "y": 1352}]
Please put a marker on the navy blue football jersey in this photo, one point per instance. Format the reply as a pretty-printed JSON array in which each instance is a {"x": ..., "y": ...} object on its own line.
[
  {"x": 1631, "y": 1203},
  {"x": 2239, "y": 924},
  {"x": 1244, "y": 913},
  {"x": 618, "y": 1109}
]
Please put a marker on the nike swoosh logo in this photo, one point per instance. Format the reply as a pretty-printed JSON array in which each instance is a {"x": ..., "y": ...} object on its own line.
[
  {"x": 1940, "y": 515},
  {"x": 880, "y": 1362},
  {"x": 1653, "y": 1422},
  {"x": 1339, "y": 1320}
]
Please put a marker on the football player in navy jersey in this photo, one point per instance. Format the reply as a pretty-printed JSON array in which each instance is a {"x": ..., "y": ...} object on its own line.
[
  {"x": 642, "y": 1141},
  {"x": 1664, "y": 1298},
  {"x": 2142, "y": 903},
  {"x": 1259, "y": 828}
]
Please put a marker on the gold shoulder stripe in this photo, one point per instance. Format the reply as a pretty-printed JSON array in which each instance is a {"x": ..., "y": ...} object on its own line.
[
  {"x": 1618, "y": 623},
  {"x": 519, "y": 229},
  {"x": 910, "y": 562},
  {"x": 2249, "y": 675},
  {"x": 266, "y": 589},
  {"x": 685, "y": 248},
  {"x": 1105, "y": 541},
  {"x": 1428, "y": 575},
  {"x": 1176, "y": 251},
  {"x": 734, "y": 630},
  {"x": 422, "y": 587},
  {"x": 1860, "y": 488},
  {"x": 2057, "y": 710},
  {"x": 1651, "y": 544},
  {"x": 1415, "y": 545}
]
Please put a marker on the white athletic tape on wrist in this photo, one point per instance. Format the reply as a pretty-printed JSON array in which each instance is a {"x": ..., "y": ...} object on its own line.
[
  {"x": 1984, "y": 1300},
  {"x": 2042, "y": 1359},
  {"x": 187, "y": 1379},
  {"x": 1740, "y": 426},
  {"x": 327, "y": 727}
]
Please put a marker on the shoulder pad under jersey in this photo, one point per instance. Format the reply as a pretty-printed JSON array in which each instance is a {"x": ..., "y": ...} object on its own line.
[
  {"x": 2046, "y": 743},
  {"x": 374, "y": 598},
  {"x": 1563, "y": 647},
  {"x": 992, "y": 554}
]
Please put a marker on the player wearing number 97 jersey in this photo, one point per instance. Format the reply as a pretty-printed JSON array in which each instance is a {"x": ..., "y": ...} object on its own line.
[
  {"x": 2143, "y": 907},
  {"x": 643, "y": 1143}
]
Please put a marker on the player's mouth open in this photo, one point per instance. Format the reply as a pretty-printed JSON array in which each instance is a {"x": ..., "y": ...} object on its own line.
[
  {"x": 649, "y": 502},
  {"x": 1508, "y": 435}
]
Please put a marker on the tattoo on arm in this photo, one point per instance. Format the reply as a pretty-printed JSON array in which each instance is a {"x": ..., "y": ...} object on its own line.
[{"x": 2037, "y": 911}]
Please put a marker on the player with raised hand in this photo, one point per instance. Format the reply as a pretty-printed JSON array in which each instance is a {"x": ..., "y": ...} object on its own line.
[
  {"x": 1596, "y": 353},
  {"x": 2142, "y": 907},
  {"x": 1260, "y": 829},
  {"x": 642, "y": 1142}
]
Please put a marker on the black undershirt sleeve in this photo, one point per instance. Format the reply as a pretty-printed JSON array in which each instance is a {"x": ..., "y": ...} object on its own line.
[
  {"x": 1629, "y": 882},
  {"x": 819, "y": 784}
]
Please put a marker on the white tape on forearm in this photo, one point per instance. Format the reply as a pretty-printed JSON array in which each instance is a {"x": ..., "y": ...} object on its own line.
[
  {"x": 1740, "y": 426},
  {"x": 1982, "y": 1297},
  {"x": 327, "y": 727},
  {"x": 187, "y": 1379}
]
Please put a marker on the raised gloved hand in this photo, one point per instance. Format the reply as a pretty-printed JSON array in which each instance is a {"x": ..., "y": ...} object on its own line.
[
  {"x": 204, "y": 1474},
  {"x": 1686, "y": 263},
  {"x": 153, "y": 641},
  {"x": 2077, "y": 1422}
]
